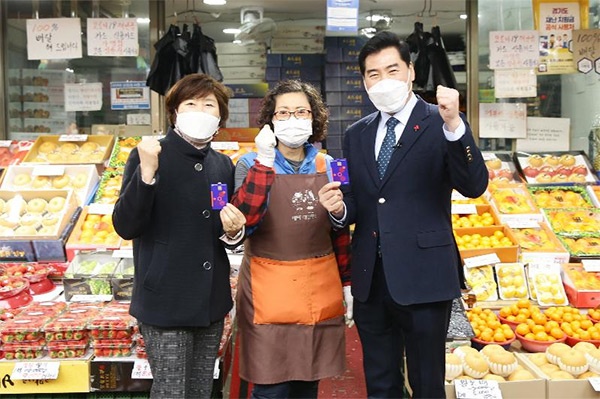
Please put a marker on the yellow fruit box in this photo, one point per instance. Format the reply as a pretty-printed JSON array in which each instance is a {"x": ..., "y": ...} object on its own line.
[
  {"x": 506, "y": 254},
  {"x": 93, "y": 232},
  {"x": 70, "y": 149},
  {"x": 82, "y": 179},
  {"x": 582, "y": 287},
  {"x": 557, "y": 388},
  {"x": 513, "y": 202},
  {"x": 462, "y": 216},
  {"x": 517, "y": 389},
  {"x": 539, "y": 244}
]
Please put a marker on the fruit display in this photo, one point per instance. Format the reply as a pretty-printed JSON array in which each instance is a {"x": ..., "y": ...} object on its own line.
[
  {"x": 481, "y": 281},
  {"x": 24, "y": 328},
  {"x": 473, "y": 220},
  {"x": 67, "y": 349},
  {"x": 236, "y": 151},
  {"x": 95, "y": 269},
  {"x": 122, "y": 149},
  {"x": 113, "y": 347},
  {"x": 537, "y": 239},
  {"x": 14, "y": 152},
  {"x": 574, "y": 222},
  {"x": 33, "y": 272},
  {"x": 23, "y": 350},
  {"x": 487, "y": 327},
  {"x": 512, "y": 282},
  {"x": 548, "y": 286},
  {"x": 112, "y": 323},
  {"x": 581, "y": 279},
  {"x": 555, "y": 168},
  {"x": 500, "y": 168},
  {"x": 11, "y": 286},
  {"x": 66, "y": 328},
  {"x": 458, "y": 198},
  {"x": 561, "y": 197},
  {"x": 109, "y": 187},
  {"x": 50, "y": 149},
  {"x": 510, "y": 200},
  {"x": 583, "y": 246},
  {"x": 484, "y": 239},
  {"x": 94, "y": 230}
]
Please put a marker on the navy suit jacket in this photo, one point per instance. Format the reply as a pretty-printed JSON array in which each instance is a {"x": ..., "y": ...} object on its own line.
[{"x": 408, "y": 212}]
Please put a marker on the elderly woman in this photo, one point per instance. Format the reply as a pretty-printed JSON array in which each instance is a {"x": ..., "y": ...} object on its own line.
[
  {"x": 181, "y": 290},
  {"x": 290, "y": 303}
]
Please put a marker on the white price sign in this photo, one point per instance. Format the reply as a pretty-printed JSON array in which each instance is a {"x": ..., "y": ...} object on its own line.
[
  {"x": 522, "y": 224},
  {"x": 464, "y": 209},
  {"x": 48, "y": 170},
  {"x": 141, "y": 370},
  {"x": 123, "y": 253},
  {"x": 595, "y": 383},
  {"x": 73, "y": 137},
  {"x": 477, "y": 389},
  {"x": 101, "y": 209},
  {"x": 482, "y": 260},
  {"x": 35, "y": 371},
  {"x": 591, "y": 265},
  {"x": 225, "y": 145}
]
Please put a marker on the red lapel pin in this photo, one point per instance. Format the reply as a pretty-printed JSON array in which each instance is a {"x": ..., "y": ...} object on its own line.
[{"x": 416, "y": 128}]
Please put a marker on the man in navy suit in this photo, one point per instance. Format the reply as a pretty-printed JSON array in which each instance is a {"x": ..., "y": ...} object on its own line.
[{"x": 406, "y": 269}]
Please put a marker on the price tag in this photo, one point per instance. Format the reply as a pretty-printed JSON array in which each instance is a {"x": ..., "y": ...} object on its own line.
[
  {"x": 488, "y": 155},
  {"x": 123, "y": 253},
  {"x": 91, "y": 298},
  {"x": 225, "y": 145},
  {"x": 101, "y": 209},
  {"x": 35, "y": 371},
  {"x": 595, "y": 383},
  {"x": 73, "y": 137},
  {"x": 5, "y": 143},
  {"x": 48, "y": 170},
  {"x": 482, "y": 260},
  {"x": 522, "y": 224},
  {"x": 456, "y": 196},
  {"x": 464, "y": 209},
  {"x": 477, "y": 389},
  {"x": 591, "y": 265},
  {"x": 216, "y": 370},
  {"x": 141, "y": 370}
]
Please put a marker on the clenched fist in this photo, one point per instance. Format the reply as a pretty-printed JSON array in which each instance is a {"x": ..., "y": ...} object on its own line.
[
  {"x": 448, "y": 103},
  {"x": 148, "y": 149}
]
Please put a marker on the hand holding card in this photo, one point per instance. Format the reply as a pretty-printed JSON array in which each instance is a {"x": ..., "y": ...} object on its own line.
[
  {"x": 218, "y": 195},
  {"x": 339, "y": 171}
]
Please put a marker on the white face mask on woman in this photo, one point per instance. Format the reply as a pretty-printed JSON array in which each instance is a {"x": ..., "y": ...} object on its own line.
[
  {"x": 389, "y": 95},
  {"x": 293, "y": 132},
  {"x": 199, "y": 126}
]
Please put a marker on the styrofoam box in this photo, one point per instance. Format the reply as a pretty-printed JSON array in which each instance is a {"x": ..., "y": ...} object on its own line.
[
  {"x": 299, "y": 31},
  {"x": 76, "y": 173},
  {"x": 241, "y": 60},
  {"x": 238, "y": 105},
  {"x": 233, "y": 48}
]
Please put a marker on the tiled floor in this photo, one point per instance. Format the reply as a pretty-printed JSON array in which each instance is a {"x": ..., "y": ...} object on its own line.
[{"x": 351, "y": 385}]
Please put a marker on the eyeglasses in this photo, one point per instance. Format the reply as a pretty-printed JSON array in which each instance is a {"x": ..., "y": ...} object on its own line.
[{"x": 284, "y": 115}]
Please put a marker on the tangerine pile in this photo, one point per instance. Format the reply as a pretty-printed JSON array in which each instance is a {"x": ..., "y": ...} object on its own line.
[{"x": 487, "y": 327}]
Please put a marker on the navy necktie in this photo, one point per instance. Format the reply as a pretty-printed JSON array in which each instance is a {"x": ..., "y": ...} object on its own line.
[{"x": 387, "y": 147}]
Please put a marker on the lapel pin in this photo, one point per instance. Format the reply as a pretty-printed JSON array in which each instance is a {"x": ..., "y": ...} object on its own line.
[{"x": 416, "y": 128}]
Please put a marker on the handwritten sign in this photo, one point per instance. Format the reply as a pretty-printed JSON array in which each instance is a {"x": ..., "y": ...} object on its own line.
[
  {"x": 83, "y": 96},
  {"x": 141, "y": 369},
  {"x": 53, "y": 38},
  {"x": 35, "y": 371},
  {"x": 515, "y": 83},
  {"x": 546, "y": 134},
  {"x": 586, "y": 50},
  {"x": 482, "y": 260},
  {"x": 513, "y": 49},
  {"x": 505, "y": 120},
  {"x": 112, "y": 37},
  {"x": 477, "y": 389}
]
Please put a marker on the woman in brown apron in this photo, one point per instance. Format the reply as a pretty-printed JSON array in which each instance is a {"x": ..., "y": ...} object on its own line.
[{"x": 290, "y": 309}]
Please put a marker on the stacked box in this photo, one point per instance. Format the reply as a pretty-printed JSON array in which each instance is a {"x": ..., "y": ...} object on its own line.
[
  {"x": 241, "y": 64},
  {"x": 305, "y": 67}
]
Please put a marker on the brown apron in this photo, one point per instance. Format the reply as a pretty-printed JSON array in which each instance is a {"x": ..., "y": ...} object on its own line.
[{"x": 290, "y": 304}]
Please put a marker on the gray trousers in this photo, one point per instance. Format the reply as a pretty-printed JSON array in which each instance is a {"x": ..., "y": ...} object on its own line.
[{"x": 182, "y": 360}]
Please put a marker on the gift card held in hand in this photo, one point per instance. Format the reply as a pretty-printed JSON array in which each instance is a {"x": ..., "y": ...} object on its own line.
[
  {"x": 339, "y": 170},
  {"x": 218, "y": 195}
]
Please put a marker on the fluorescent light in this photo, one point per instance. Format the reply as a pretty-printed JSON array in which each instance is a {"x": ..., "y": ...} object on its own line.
[
  {"x": 215, "y": 2},
  {"x": 463, "y": 16},
  {"x": 237, "y": 42},
  {"x": 231, "y": 31},
  {"x": 143, "y": 20},
  {"x": 377, "y": 17}
]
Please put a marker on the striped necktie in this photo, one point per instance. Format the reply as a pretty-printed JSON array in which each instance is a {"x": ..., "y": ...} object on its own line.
[{"x": 387, "y": 147}]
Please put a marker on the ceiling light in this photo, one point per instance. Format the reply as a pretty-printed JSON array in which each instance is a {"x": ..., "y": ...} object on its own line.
[
  {"x": 378, "y": 17},
  {"x": 215, "y": 2},
  {"x": 231, "y": 31},
  {"x": 143, "y": 20},
  {"x": 463, "y": 16},
  {"x": 237, "y": 42}
]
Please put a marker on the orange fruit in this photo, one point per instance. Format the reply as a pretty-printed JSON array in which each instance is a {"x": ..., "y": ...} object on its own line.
[
  {"x": 499, "y": 336},
  {"x": 523, "y": 303},
  {"x": 487, "y": 336},
  {"x": 523, "y": 329},
  {"x": 541, "y": 336},
  {"x": 530, "y": 336},
  {"x": 557, "y": 333},
  {"x": 505, "y": 312},
  {"x": 509, "y": 334},
  {"x": 537, "y": 329},
  {"x": 586, "y": 324}
]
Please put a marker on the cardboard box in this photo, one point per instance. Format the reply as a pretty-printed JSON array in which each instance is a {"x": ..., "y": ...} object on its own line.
[
  {"x": 557, "y": 255},
  {"x": 245, "y": 72},
  {"x": 78, "y": 243},
  {"x": 285, "y": 45},
  {"x": 505, "y": 254},
  {"x": 578, "y": 295},
  {"x": 234, "y": 48},
  {"x": 297, "y": 73},
  {"x": 513, "y": 203},
  {"x": 248, "y": 90},
  {"x": 349, "y": 113},
  {"x": 241, "y": 60},
  {"x": 344, "y": 84},
  {"x": 348, "y": 99},
  {"x": 342, "y": 70},
  {"x": 104, "y": 145},
  {"x": 82, "y": 179}
]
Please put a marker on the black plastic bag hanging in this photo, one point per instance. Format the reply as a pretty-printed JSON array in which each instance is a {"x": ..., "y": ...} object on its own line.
[
  {"x": 169, "y": 64},
  {"x": 441, "y": 70},
  {"x": 418, "y": 53},
  {"x": 203, "y": 54}
]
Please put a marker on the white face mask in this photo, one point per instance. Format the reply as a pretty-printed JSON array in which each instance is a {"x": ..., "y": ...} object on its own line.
[
  {"x": 293, "y": 132},
  {"x": 197, "y": 125},
  {"x": 389, "y": 95}
]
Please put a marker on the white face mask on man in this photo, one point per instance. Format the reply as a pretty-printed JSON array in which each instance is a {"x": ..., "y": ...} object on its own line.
[
  {"x": 199, "y": 126},
  {"x": 389, "y": 95},
  {"x": 293, "y": 132}
]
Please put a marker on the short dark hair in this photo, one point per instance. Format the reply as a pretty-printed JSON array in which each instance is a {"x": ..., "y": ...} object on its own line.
[
  {"x": 197, "y": 85},
  {"x": 380, "y": 41},
  {"x": 320, "y": 116}
]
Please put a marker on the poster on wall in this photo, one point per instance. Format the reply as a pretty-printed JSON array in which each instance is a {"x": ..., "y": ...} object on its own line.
[
  {"x": 503, "y": 120},
  {"x": 83, "y": 96},
  {"x": 53, "y": 38},
  {"x": 586, "y": 50},
  {"x": 515, "y": 83},
  {"x": 555, "y": 21},
  {"x": 513, "y": 49},
  {"x": 129, "y": 95},
  {"x": 112, "y": 37},
  {"x": 545, "y": 134},
  {"x": 342, "y": 15}
]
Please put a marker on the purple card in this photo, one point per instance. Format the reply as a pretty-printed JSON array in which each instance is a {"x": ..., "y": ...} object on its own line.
[
  {"x": 339, "y": 170},
  {"x": 218, "y": 195}
]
